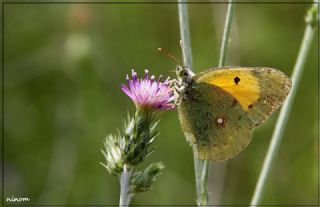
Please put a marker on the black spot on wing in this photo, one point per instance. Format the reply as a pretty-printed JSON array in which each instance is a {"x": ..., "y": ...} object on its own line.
[{"x": 236, "y": 80}]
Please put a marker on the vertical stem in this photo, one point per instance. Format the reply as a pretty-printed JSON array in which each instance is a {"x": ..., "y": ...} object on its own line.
[
  {"x": 201, "y": 174},
  {"x": 226, "y": 34},
  {"x": 200, "y": 166},
  {"x": 124, "y": 185},
  {"x": 286, "y": 108},
  {"x": 185, "y": 33}
]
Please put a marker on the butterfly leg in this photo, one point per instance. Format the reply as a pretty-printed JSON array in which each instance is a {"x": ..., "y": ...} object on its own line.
[
  {"x": 178, "y": 88},
  {"x": 174, "y": 82}
]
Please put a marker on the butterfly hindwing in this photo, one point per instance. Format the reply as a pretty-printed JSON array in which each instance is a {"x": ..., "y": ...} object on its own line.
[{"x": 214, "y": 121}]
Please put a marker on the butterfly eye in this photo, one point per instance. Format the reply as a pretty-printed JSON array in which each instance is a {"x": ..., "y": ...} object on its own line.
[{"x": 185, "y": 73}]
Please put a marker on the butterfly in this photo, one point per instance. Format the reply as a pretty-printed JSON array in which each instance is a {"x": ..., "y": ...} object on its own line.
[{"x": 219, "y": 108}]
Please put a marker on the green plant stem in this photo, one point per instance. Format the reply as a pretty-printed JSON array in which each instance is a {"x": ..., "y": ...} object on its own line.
[
  {"x": 125, "y": 178},
  {"x": 285, "y": 110},
  {"x": 226, "y": 34},
  {"x": 200, "y": 166},
  {"x": 185, "y": 33}
]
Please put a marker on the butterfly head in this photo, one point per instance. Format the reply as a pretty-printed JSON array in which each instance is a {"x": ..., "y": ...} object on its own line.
[{"x": 183, "y": 73}]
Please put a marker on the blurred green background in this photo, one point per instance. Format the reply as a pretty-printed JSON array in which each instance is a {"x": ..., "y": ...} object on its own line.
[{"x": 63, "y": 66}]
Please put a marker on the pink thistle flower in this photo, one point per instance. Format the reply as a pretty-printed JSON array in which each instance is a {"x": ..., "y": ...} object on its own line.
[{"x": 149, "y": 93}]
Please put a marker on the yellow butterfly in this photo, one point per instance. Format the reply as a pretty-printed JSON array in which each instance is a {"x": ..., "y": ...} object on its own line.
[{"x": 219, "y": 108}]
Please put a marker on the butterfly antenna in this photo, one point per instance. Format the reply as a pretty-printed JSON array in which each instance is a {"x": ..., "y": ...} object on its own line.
[{"x": 166, "y": 53}]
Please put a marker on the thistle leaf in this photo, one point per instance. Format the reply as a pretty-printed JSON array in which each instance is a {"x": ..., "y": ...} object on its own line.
[{"x": 142, "y": 180}]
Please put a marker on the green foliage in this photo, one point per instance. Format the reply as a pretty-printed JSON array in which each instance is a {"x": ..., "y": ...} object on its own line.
[
  {"x": 124, "y": 151},
  {"x": 139, "y": 135},
  {"x": 143, "y": 179},
  {"x": 113, "y": 154},
  {"x": 131, "y": 146}
]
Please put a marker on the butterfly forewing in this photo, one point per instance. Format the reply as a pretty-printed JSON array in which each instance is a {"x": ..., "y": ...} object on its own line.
[{"x": 260, "y": 91}]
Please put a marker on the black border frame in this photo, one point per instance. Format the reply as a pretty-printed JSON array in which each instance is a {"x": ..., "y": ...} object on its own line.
[{"x": 3, "y": 3}]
